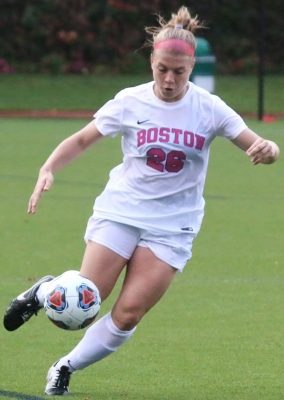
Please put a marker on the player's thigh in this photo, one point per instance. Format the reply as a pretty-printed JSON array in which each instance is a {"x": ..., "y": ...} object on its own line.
[
  {"x": 102, "y": 266},
  {"x": 147, "y": 279},
  {"x": 109, "y": 245}
]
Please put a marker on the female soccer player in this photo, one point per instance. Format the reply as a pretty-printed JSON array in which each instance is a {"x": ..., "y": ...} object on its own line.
[{"x": 151, "y": 209}]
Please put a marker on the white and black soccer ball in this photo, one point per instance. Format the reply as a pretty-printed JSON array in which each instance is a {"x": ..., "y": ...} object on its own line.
[{"x": 72, "y": 302}]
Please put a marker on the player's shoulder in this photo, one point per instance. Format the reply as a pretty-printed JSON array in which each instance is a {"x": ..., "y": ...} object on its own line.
[
  {"x": 204, "y": 96},
  {"x": 202, "y": 93}
]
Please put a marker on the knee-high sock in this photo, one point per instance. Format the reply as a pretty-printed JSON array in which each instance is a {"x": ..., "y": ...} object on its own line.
[
  {"x": 41, "y": 292},
  {"x": 99, "y": 341}
]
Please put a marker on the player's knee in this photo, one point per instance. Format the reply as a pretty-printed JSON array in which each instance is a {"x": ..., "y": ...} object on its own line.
[{"x": 127, "y": 318}]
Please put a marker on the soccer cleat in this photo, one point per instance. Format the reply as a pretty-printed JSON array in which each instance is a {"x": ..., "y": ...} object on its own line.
[
  {"x": 23, "y": 307},
  {"x": 58, "y": 380}
]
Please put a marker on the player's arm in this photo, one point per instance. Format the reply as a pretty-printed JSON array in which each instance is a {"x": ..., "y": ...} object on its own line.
[
  {"x": 62, "y": 155},
  {"x": 260, "y": 150}
]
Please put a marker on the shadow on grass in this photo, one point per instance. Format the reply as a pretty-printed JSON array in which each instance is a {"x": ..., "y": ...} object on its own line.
[{"x": 16, "y": 395}]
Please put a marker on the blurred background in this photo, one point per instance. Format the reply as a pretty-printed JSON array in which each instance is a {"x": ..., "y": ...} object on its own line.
[
  {"x": 83, "y": 36},
  {"x": 65, "y": 48}
]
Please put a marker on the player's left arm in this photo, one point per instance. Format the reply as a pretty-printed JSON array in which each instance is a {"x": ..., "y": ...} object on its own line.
[{"x": 259, "y": 150}]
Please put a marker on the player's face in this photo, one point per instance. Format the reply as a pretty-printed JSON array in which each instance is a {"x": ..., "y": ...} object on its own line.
[{"x": 171, "y": 73}]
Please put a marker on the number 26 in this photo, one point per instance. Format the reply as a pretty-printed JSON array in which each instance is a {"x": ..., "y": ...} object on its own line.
[{"x": 160, "y": 160}]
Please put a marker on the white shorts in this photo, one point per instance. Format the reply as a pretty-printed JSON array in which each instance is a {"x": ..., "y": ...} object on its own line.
[{"x": 175, "y": 250}]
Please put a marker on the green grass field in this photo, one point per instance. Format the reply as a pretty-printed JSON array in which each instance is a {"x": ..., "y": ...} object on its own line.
[
  {"x": 91, "y": 91},
  {"x": 216, "y": 335}
]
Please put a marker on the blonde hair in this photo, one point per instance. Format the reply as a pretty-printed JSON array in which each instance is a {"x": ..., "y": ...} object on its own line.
[{"x": 181, "y": 26}]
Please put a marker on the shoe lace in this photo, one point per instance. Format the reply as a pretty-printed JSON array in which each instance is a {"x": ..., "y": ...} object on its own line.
[{"x": 62, "y": 377}]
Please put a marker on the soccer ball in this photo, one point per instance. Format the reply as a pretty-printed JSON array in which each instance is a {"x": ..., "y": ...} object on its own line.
[{"x": 72, "y": 302}]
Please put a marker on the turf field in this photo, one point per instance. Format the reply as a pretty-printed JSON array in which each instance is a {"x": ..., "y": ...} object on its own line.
[
  {"x": 91, "y": 91},
  {"x": 218, "y": 333}
]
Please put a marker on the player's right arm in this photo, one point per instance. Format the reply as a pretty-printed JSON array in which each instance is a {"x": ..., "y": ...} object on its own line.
[{"x": 62, "y": 155}]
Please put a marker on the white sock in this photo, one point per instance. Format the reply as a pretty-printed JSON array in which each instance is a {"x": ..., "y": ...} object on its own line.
[
  {"x": 41, "y": 292},
  {"x": 99, "y": 341}
]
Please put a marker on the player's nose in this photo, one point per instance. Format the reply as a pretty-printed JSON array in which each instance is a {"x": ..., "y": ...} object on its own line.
[{"x": 169, "y": 77}]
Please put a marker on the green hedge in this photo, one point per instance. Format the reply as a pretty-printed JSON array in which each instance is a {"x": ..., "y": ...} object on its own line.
[{"x": 85, "y": 36}]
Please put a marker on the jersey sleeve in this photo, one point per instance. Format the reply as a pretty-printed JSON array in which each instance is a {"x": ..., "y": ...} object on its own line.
[
  {"x": 227, "y": 122},
  {"x": 108, "y": 117}
]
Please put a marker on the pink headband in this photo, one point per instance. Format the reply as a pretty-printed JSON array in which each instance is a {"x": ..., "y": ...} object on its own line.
[{"x": 177, "y": 45}]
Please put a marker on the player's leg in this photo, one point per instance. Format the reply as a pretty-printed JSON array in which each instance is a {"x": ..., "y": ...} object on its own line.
[
  {"x": 146, "y": 280},
  {"x": 100, "y": 265},
  {"x": 103, "y": 266}
]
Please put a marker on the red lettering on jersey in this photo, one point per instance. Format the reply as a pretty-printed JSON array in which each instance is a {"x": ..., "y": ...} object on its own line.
[
  {"x": 188, "y": 139},
  {"x": 152, "y": 135},
  {"x": 164, "y": 135},
  {"x": 200, "y": 140},
  {"x": 141, "y": 137},
  {"x": 177, "y": 132}
]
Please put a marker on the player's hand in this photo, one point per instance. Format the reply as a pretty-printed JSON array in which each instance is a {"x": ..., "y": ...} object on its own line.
[
  {"x": 263, "y": 151},
  {"x": 44, "y": 183}
]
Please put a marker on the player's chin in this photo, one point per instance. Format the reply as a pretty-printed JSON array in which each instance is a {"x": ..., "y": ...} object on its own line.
[{"x": 170, "y": 95}]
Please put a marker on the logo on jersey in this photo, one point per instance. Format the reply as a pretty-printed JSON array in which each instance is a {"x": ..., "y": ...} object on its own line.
[
  {"x": 142, "y": 122},
  {"x": 187, "y": 229}
]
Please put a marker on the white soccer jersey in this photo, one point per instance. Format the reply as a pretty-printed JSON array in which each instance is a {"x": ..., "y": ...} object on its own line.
[{"x": 159, "y": 185}]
